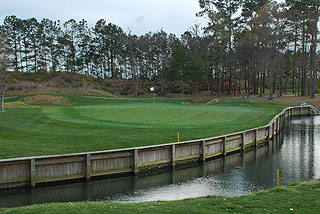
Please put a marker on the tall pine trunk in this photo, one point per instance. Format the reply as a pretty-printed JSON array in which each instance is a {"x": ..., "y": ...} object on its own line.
[
  {"x": 314, "y": 54},
  {"x": 2, "y": 98},
  {"x": 2, "y": 90},
  {"x": 304, "y": 69},
  {"x": 294, "y": 62}
]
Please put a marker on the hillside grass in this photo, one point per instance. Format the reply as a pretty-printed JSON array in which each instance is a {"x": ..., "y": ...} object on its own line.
[
  {"x": 92, "y": 124},
  {"x": 294, "y": 198}
]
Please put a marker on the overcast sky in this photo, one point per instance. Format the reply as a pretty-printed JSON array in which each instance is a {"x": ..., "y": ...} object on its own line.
[{"x": 141, "y": 16}]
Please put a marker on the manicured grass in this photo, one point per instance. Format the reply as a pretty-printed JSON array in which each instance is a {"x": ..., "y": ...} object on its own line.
[
  {"x": 295, "y": 198},
  {"x": 102, "y": 124}
]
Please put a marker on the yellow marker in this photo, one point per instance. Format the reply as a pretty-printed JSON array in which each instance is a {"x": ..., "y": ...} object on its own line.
[
  {"x": 277, "y": 178},
  {"x": 273, "y": 111},
  {"x": 178, "y": 137}
]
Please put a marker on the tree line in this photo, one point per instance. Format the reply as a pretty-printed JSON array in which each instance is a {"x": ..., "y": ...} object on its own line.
[{"x": 248, "y": 46}]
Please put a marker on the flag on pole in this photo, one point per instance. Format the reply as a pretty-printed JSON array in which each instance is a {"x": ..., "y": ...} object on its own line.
[{"x": 152, "y": 89}]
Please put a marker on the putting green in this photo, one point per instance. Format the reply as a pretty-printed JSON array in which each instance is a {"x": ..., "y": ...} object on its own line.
[
  {"x": 146, "y": 115},
  {"x": 98, "y": 124}
]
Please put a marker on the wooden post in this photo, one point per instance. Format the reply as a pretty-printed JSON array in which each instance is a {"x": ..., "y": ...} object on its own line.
[
  {"x": 286, "y": 118},
  {"x": 135, "y": 161},
  {"x": 273, "y": 127},
  {"x": 310, "y": 111},
  {"x": 33, "y": 172},
  {"x": 173, "y": 155},
  {"x": 203, "y": 151},
  {"x": 243, "y": 135},
  {"x": 224, "y": 150},
  {"x": 88, "y": 172},
  {"x": 278, "y": 183},
  {"x": 268, "y": 136},
  {"x": 280, "y": 123},
  {"x": 285, "y": 114},
  {"x": 256, "y": 138}
]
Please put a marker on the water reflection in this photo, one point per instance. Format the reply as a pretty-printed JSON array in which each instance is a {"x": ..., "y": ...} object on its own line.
[{"x": 296, "y": 154}]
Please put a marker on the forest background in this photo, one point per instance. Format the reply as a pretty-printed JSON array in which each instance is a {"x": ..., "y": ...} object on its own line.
[{"x": 248, "y": 47}]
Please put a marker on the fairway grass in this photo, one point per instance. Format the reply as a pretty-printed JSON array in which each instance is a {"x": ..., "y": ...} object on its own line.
[
  {"x": 294, "y": 198},
  {"x": 102, "y": 124}
]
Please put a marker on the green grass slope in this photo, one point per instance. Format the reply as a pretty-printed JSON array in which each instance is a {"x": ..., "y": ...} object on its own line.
[
  {"x": 91, "y": 124},
  {"x": 295, "y": 198}
]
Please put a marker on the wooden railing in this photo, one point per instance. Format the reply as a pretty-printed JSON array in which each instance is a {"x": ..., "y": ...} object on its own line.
[{"x": 30, "y": 171}]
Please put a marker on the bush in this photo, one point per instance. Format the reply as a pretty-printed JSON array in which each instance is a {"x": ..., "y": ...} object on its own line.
[
  {"x": 105, "y": 88},
  {"x": 68, "y": 79},
  {"x": 12, "y": 87},
  {"x": 20, "y": 87},
  {"x": 96, "y": 86},
  {"x": 77, "y": 84},
  {"x": 317, "y": 89},
  {"x": 36, "y": 79},
  {"x": 124, "y": 93},
  {"x": 10, "y": 80},
  {"x": 62, "y": 83}
]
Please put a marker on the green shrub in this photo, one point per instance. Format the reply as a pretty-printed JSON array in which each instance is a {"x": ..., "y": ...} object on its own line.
[
  {"x": 10, "y": 80},
  {"x": 108, "y": 84},
  {"x": 36, "y": 79},
  {"x": 97, "y": 86},
  {"x": 317, "y": 89},
  {"x": 68, "y": 78},
  {"x": 20, "y": 87},
  {"x": 62, "y": 83},
  {"x": 109, "y": 90},
  {"x": 12, "y": 87},
  {"x": 77, "y": 84}
]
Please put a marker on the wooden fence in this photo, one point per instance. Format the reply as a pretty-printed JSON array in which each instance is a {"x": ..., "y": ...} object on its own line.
[{"x": 31, "y": 171}]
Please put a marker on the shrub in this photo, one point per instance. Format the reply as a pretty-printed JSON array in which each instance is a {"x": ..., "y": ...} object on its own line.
[
  {"x": 20, "y": 87},
  {"x": 10, "y": 80},
  {"x": 105, "y": 88},
  {"x": 77, "y": 84},
  {"x": 62, "y": 83},
  {"x": 68, "y": 78},
  {"x": 36, "y": 79},
  {"x": 12, "y": 87}
]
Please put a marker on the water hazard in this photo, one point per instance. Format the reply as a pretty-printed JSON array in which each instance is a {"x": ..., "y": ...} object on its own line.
[{"x": 296, "y": 154}]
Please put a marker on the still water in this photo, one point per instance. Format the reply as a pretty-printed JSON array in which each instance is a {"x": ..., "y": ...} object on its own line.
[{"x": 296, "y": 153}]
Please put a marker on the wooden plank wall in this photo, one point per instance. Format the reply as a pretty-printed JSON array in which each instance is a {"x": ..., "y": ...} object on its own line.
[{"x": 35, "y": 170}]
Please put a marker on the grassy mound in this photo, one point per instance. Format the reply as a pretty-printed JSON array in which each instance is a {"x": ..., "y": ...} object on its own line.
[
  {"x": 17, "y": 104},
  {"x": 296, "y": 198},
  {"x": 47, "y": 100},
  {"x": 101, "y": 124}
]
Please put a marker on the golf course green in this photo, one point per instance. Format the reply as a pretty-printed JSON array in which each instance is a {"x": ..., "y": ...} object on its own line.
[{"x": 93, "y": 124}]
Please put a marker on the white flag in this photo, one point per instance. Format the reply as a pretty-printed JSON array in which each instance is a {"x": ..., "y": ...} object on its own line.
[{"x": 152, "y": 89}]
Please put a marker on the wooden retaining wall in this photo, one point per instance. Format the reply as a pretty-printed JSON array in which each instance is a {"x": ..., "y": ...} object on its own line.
[{"x": 31, "y": 171}]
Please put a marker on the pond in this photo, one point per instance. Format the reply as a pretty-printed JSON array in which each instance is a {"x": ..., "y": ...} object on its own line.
[{"x": 296, "y": 154}]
